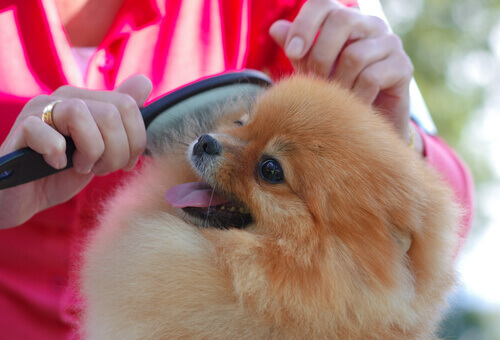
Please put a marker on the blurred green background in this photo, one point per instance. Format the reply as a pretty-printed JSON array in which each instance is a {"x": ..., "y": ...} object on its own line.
[{"x": 455, "y": 49}]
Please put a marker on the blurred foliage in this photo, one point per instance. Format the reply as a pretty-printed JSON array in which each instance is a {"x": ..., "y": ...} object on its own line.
[
  {"x": 440, "y": 34},
  {"x": 467, "y": 324}
]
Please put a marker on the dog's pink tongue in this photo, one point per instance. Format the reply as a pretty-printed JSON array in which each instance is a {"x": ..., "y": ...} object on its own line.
[{"x": 195, "y": 194}]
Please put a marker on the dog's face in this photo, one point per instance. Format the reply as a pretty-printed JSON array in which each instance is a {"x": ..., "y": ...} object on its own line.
[{"x": 309, "y": 165}]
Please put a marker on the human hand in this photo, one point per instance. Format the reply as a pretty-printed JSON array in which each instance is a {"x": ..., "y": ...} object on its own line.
[
  {"x": 106, "y": 127},
  {"x": 333, "y": 41}
]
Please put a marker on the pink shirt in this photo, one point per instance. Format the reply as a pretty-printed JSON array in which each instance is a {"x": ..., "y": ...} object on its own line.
[
  {"x": 456, "y": 174},
  {"x": 197, "y": 38}
]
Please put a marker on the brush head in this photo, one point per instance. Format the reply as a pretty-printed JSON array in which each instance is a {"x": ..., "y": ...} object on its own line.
[{"x": 199, "y": 102}]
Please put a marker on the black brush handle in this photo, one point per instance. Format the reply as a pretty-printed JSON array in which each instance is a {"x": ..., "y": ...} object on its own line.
[{"x": 25, "y": 165}]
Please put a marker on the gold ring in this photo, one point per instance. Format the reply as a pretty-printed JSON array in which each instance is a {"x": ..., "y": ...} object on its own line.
[{"x": 47, "y": 113}]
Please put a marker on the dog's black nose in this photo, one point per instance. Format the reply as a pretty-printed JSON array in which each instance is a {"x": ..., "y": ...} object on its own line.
[{"x": 208, "y": 145}]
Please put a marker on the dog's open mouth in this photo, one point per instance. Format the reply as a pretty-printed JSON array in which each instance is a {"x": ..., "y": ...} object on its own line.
[{"x": 212, "y": 209}]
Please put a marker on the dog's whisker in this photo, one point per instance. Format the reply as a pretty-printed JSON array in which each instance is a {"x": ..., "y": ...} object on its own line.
[
  {"x": 181, "y": 143},
  {"x": 211, "y": 197},
  {"x": 210, "y": 204}
]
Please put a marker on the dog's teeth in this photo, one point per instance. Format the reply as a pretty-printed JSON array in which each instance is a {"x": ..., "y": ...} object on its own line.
[
  {"x": 244, "y": 210},
  {"x": 241, "y": 210}
]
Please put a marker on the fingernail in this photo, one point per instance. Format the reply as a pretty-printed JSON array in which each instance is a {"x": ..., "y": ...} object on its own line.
[
  {"x": 84, "y": 169},
  {"x": 63, "y": 161},
  {"x": 295, "y": 47},
  {"x": 131, "y": 165}
]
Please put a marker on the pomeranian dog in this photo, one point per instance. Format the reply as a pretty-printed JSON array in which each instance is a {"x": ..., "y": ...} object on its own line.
[{"x": 303, "y": 215}]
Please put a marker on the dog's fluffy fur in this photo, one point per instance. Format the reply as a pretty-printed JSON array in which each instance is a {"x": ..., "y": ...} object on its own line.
[{"x": 357, "y": 242}]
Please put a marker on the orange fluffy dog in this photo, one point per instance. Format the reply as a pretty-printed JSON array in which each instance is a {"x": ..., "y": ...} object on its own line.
[{"x": 321, "y": 224}]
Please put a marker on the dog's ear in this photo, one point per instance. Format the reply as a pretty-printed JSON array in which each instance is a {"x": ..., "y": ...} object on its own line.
[{"x": 402, "y": 238}]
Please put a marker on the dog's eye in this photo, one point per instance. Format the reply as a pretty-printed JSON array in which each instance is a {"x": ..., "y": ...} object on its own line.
[
  {"x": 271, "y": 171},
  {"x": 238, "y": 122}
]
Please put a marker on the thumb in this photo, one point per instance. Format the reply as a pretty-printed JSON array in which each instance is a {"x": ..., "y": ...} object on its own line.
[
  {"x": 279, "y": 30},
  {"x": 138, "y": 87}
]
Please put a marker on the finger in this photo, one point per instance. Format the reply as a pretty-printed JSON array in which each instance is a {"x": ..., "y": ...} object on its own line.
[
  {"x": 279, "y": 30},
  {"x": 341, "y": 28},
  {"x": 35, "y": 105},
  {"x": 305, "y": 27},
  {"x": 361, "y": 54},
  {"x": 128, "y": 97},
  {"x": 116, "y": 153},
  {"x": 326, "y": 50},
  {"x": 391, "y": 75},
  {"x": 386, "y": 86},
  {"x": 395, "y": 106},
  {"x": 139, "y": 88},
  {"x": 132, "y": 125},
  {"x": 72, "y": 117},
  {"x": 73, "y": 181},
  {"x": 43, "y": 139}
]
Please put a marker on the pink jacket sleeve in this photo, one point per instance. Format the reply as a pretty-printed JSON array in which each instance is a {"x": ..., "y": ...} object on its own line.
[{"x": 456, "y": 173}]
